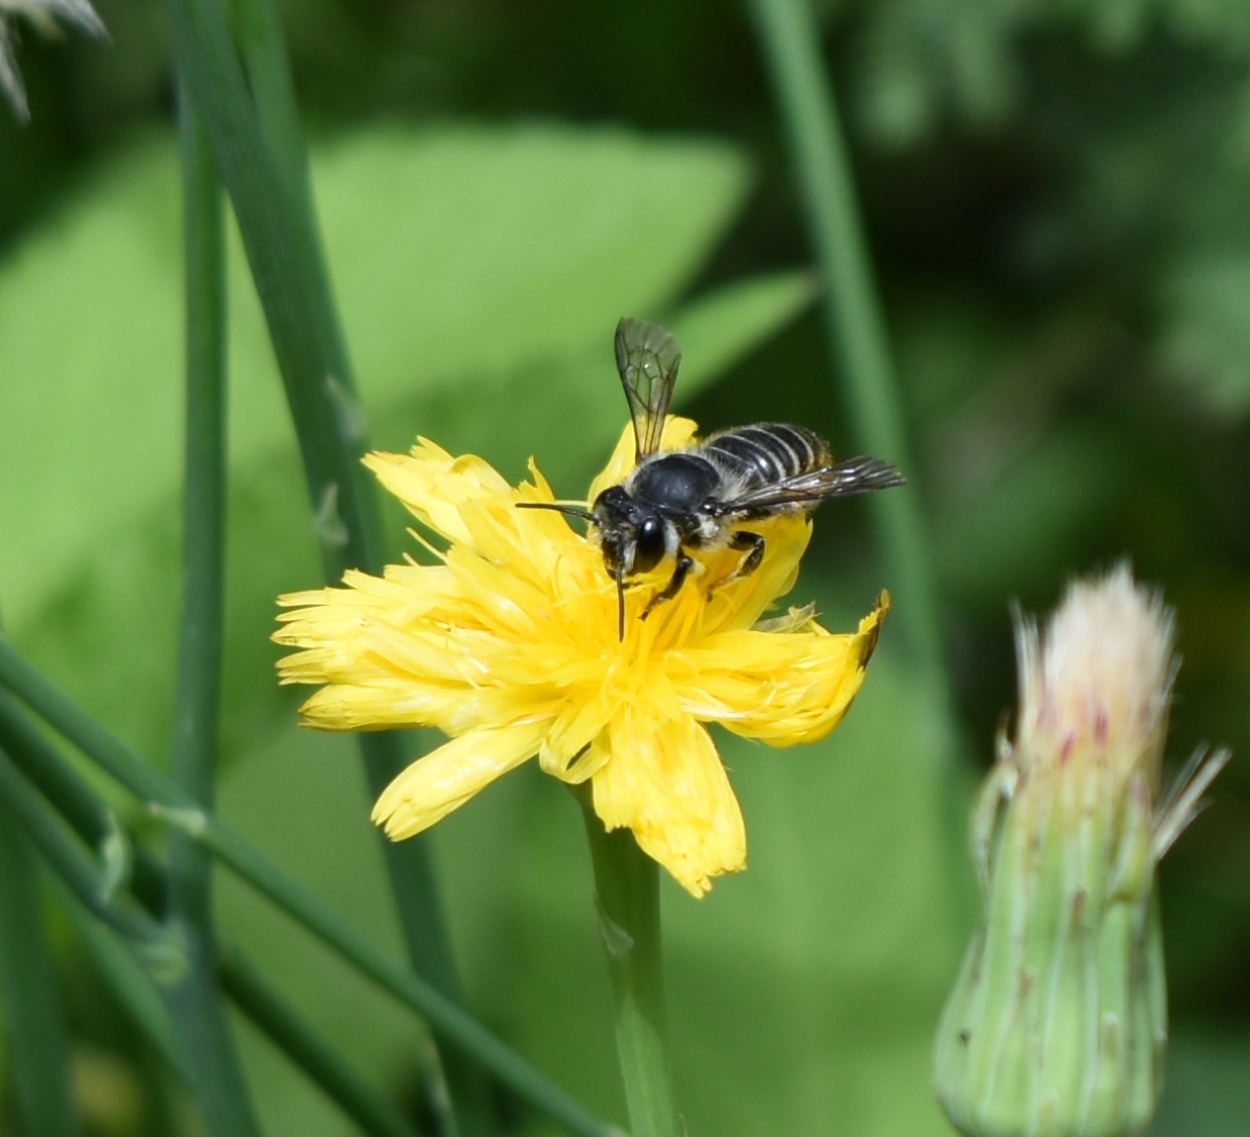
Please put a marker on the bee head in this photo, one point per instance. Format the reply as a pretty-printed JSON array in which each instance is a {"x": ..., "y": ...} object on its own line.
[{"x": 632, "y": 535}]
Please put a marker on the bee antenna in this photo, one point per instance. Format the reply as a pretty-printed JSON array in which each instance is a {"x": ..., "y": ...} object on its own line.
[{"x": 570, "y": 510}]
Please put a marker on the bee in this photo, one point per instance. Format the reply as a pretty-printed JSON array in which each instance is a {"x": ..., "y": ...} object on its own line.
[{"x": 703, "y": 498}]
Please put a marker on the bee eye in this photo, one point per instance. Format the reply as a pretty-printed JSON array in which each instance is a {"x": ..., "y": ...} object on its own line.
[{"x": 649, "y": 550}]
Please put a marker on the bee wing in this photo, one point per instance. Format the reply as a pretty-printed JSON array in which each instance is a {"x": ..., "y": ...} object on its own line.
[
  {"x": 647, "y": 358},
  {"x": 843, "y": 479}
]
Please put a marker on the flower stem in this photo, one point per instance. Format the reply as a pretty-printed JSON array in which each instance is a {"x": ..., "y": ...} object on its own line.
[
  {"x": 158, "y": 950},
  {"x": 30, "y": 1006},
  {"x": 859, "y": 349},
  {"x": 790, "y": 41},
  {"x": 92, "y": 880},
  {"x": 197, "y": 1009},
  {"x": 236, "y": 72},
  {"x": 627, "y": 897}
]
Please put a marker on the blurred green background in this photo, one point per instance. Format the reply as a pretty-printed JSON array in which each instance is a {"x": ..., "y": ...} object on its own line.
[{"x": 1056, "y": 200}]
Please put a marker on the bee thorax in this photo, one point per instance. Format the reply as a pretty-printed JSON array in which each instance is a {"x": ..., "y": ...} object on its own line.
[{"x": 675, "y": 482}]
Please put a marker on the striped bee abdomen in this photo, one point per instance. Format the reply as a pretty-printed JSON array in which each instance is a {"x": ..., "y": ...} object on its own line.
[{"x": 766, "y": 452}]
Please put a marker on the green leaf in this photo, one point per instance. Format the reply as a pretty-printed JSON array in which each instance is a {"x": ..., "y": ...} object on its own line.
[
  {"x": 454, "y": 252},
  {"x": 482, "y": 247},
  {"x": 90, "y": 351},
  {"x": 716, "y": 330},
  {"x": 566, "y": 408}
]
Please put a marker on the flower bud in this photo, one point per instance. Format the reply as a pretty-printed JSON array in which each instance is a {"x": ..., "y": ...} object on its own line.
[{"x": 1057, "y": 1025}]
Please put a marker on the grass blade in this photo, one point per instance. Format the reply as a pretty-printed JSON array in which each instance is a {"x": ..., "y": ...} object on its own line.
[
  {"x": 250, "y": 117},
  {"x": 790, "y": 40},
  {"x": 197, "y": 1008},
  {"x": 33, "y": 1018}
]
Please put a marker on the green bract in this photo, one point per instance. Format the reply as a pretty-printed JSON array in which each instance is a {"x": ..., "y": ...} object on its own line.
[{"x": 1057, "y": 1025}]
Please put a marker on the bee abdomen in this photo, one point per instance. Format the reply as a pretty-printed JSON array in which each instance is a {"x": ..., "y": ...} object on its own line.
[{"x": 767, "y": 452}]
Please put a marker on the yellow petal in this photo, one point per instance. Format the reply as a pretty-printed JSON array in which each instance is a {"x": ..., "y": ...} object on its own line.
[
  {"x": 665, "y": 781},
  {"x": 446, "y": 778},
  {"x": 567, "y": 752},
  {"x": 434, "y": 485},
  {"x": 781, "y": 687}
]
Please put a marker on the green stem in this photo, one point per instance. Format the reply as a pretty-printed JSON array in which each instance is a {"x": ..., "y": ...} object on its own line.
[
  {"x": 169, "y": 801},
  {"x": 326, "y": 1069},
  {"x": 34, "y": 755},
  {"x": 262, "y": 51},
  {"x": 197, "y": 1008},
  {"x": 859, "y": 348},
  {"x": 95, "y": 885},
  {"x": 279, "y": 240},
  {"x": 445, "y": 1016},
  {"x": 790, "y": 40},
  {"x": 627, "y": 898},
  {"x": 130, "y": 982},
  {"x": 29, "y": 995},
  {"x": 32, "y": 1013},
  {"x": 251, "y": 118},
  {"x": 204, "y": 507}
]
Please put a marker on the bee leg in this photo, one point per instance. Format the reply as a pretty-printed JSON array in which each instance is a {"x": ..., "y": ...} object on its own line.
[
  {"x": 673, "y": 587},
  {"x": 752, "y": 544}
]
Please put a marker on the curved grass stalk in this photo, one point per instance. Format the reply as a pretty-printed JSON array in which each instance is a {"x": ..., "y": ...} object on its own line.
[
  {"x": 32, "y": 1014},
  {"x": 243, "y": 89},
  {"x": 197, "y": 1010}
]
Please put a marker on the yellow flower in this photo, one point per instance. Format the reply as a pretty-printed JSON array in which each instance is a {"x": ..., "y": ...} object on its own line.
[{"x": 509, "y": 645}]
